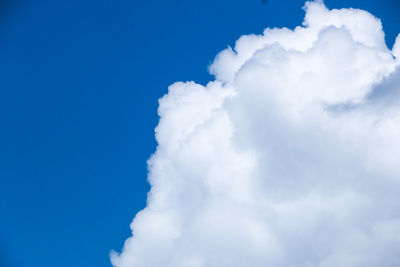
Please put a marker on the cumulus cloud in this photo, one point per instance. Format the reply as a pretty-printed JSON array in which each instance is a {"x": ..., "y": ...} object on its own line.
[{"x": 289, "y": 158}]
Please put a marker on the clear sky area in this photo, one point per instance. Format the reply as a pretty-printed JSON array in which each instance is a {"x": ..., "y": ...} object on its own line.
[{"x": 79, "y": 85}]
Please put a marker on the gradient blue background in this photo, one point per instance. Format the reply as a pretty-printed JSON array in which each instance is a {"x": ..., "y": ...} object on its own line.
[{"x": 79, "y": 83}]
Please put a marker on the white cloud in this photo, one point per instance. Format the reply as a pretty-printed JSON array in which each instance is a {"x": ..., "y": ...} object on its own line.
[{"x": 290, "y": 158}]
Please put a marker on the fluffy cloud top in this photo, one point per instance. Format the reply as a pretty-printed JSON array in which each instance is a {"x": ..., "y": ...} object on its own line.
[{"x": 290, "y": 158}]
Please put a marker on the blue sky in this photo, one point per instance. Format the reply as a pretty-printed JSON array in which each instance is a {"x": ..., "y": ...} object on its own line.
[{"x": 78, "y": 100}]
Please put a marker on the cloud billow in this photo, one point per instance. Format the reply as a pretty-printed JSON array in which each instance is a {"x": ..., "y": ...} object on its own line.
[{"x": 290, "y": 158}]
